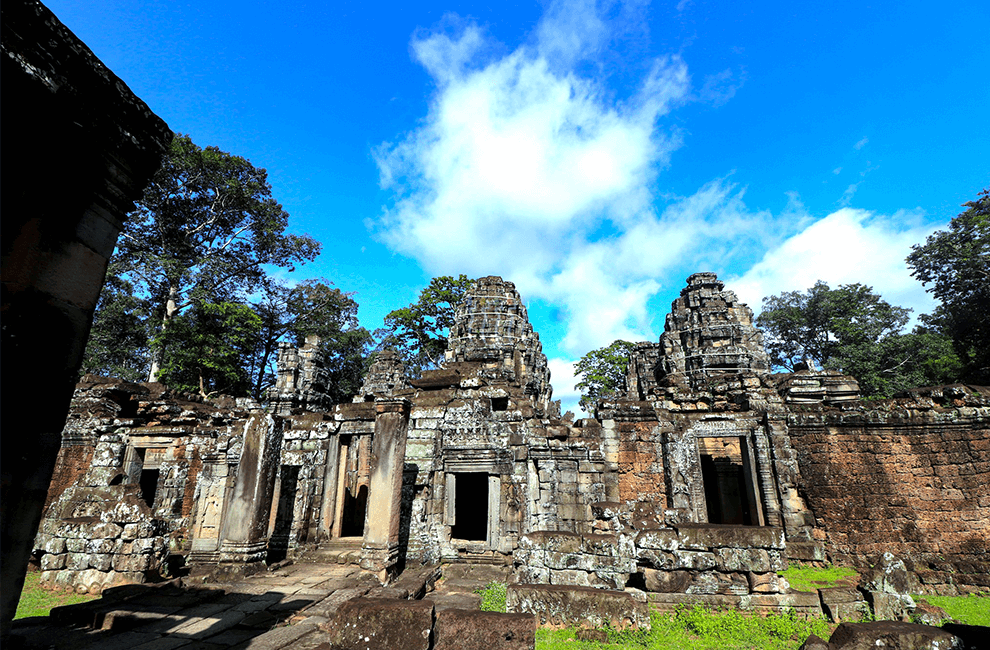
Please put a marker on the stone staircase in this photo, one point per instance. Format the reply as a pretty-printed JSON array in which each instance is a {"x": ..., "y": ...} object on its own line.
[{"x": 343, "y": 550}]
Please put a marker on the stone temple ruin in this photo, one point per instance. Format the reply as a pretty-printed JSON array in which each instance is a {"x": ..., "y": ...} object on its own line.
[{"x": 702, "y": 481}]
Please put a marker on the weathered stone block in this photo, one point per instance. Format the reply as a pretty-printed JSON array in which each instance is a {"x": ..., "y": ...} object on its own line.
[
  {"x": 381, "y": 624},
  {"x": 890, "y": 607},
  {"x": 705, "y": 536},
  {"x": 736, "y": 559},
  {"x": 765, "y": 583},
  {"x": 894, "y": 635},
  {"x": 667, "y": 581},
  {"x": 76, "y": 545},
  {"x": 582, "y": 606},
  {"x": 457, "y": 628},
  {"x": 100, "y": 561},
  {"x": 52, "y": 562},
  {"x": 694, "y": 560},
  {"x": 843, "y": 604}
]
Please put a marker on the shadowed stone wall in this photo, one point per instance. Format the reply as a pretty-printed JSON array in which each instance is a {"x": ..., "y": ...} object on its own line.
[{"x": 78, "y": 149}]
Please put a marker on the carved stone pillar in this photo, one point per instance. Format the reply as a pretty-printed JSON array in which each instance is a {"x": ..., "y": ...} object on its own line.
[
  {"x": 381, "y": 532},
  {"x": 245, "y": 521}
]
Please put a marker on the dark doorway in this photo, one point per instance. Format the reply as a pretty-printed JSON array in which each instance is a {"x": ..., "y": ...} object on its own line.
[
  {"x": 470, "y": 507},
  {"x": 278, "y": 544},
  {"x": 354, "y": 511},
  {"x": 149, "y": 485},
  {"x": 729, "y": 493},
  {"x": 709, "y": 477}
]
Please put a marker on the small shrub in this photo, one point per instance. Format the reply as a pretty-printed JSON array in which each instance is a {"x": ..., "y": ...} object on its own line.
[{"x": 493, "y": 597}]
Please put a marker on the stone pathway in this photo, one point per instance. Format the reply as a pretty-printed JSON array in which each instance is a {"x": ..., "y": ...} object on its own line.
[{"x": 266, "y": 611}]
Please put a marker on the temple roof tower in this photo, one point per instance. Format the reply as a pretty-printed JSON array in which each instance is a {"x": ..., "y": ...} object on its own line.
[
  {"x": 708, "y": 331},
  {"x": 492, "y": 328},
  {"x": 386, "y": 376}
]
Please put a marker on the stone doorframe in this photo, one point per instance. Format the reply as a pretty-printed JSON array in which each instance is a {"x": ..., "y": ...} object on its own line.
[
  {"x": 495, "y": 463},
  {"x": 682, "y": 467}
]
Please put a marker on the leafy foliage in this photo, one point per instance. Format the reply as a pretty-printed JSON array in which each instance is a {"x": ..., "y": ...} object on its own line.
[
  {"x": 602, "y": 372},
  {"x": 118, "y": 343},
  {"x": 493, "y": 596},
  {"x": 956, "y": 263},
  {"x": 311, "y": 307},
  {"x": 203, "y": 232},
  {"x": 854, "y": 330},
  {"x": 208, "y": 349},
  {"x": 418, "y": 332}
]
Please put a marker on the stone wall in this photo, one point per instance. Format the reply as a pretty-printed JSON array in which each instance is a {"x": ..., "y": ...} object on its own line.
[
  {"x": 84, "y": 148},
  {"x": 907, "y": 475}
]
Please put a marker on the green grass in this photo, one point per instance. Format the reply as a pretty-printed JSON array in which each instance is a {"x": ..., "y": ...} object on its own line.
[
  {"x": 809, "y": 578},
  {"x": 971, "y": 610},
  {"x": 38, "y": 601},
  {"x": 698, "y": 628},
  {"x": 493, "y": 597}
]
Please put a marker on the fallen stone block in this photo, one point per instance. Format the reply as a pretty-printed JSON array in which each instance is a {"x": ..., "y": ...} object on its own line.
[
  {"x": 460, "y": 628},
  {"x": 843, "y": 604},
  {"x": 560, "y": 605},
  {"x": 814, "y": 642},
  {"x": 380, "y": 624},
  {"x": 892, "y": 635}
]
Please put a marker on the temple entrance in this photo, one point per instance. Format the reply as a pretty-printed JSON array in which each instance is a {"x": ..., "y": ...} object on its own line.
[
  {"x": 470, "y": 520},
  {"x": 355, "y": 508},
  {"x": 278, "y": 542},
  {"x": 731, "y": 495}
]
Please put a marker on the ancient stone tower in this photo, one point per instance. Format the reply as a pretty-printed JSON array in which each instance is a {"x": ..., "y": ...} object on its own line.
[{"x": 708, "y": 331}]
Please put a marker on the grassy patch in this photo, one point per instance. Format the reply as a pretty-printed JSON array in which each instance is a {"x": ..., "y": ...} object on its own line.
[
  {"x": 698, "y": 628},
  {"x": 493, "y": 597},
  {"x": 809, "y": 578},
  {"x": 38, "y": 601},
  {"x": 971, "y": 610}
]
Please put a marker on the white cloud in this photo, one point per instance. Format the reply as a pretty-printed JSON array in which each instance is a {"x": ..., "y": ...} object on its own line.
[
  {"x": 527, "y": 168},
  {"x": 530, "y": 166},
  {"x": 563, "y": 380},
  {"x": 848, "y": 246},
  {"x": 862, "y": 143}
]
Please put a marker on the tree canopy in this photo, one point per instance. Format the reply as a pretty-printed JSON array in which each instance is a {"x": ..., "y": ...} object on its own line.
[
  {"x": 602, "y": 372},
  {"x": 204, "y": 230},
  {"x": 189, "y": 299},
  {"x": 312, "y": 307},
  {"x": 418, "y": 332},
  {"x": 852, "y": 329},
  {"x": 954, "y": 265}
]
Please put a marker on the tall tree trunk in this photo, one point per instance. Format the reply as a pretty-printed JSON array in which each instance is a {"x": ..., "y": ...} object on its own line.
[{"x": 171, "y": 309}]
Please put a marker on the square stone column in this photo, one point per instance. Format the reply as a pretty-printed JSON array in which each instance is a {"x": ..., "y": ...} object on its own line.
[
  {"x": 246, "y": 513},
  {"x": 381, "y": 530}
]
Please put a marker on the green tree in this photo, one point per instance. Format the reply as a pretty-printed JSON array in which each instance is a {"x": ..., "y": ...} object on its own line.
[
  {"x": 203, "y": 232},
  {"x": 602, "y": 372},
  {"x": 418, "y": 332},
  {"x": 852, "y": 329},
  {"x": 311, "y": 307},
  {"x": 118, "y": 341},
  {"x": 208, "y": 349},
  {"x": 956, "y": 265}
]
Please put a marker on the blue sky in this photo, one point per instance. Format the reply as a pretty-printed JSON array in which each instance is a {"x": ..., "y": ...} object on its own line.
[{"x": 594, "y": 153}]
